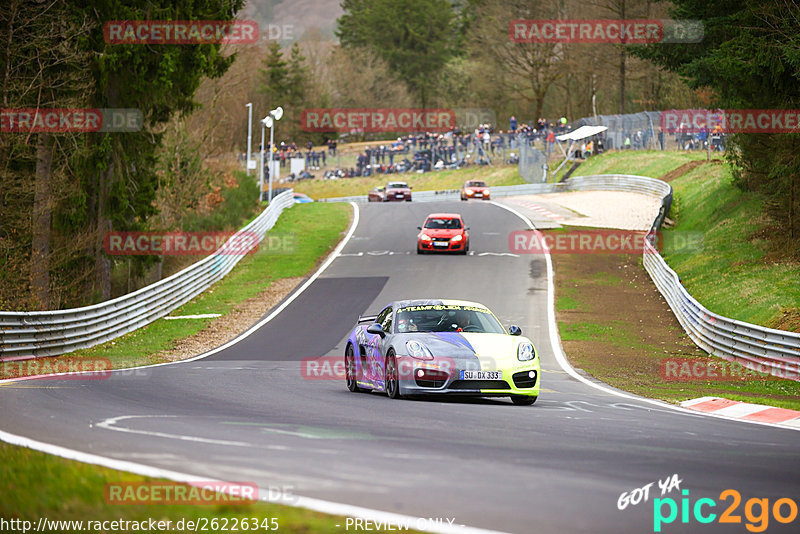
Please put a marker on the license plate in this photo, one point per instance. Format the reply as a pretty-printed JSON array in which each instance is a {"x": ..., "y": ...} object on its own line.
[
  {"x": 481, "y": 375},
  {"x": 440, "y": 243},
  {"x": 478, "y": 194},
  {"x": 399, "y": 195}
]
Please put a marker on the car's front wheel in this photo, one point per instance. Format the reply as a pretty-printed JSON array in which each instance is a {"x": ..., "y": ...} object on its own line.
[
  {"x": 392, "y": 379},
  {"x": 523, "y": 400},
  {"x": 350, "y": 369}
]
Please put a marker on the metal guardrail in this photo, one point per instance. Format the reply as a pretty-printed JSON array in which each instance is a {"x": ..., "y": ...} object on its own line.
[
  {"x": 603, "y": 182},
  {"x": 26, "y": 335},
  {"x": 755, "y": 347}
]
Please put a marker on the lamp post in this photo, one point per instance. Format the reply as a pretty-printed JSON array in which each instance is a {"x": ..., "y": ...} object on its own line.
[
  {"x": 249, "y": 107},
  {"x": 261, "y": 164},
  {"x": 269, "y": 122}
]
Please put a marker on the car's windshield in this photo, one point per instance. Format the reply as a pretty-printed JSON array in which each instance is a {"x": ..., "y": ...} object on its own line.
[
  {"x": 397, "y": 185},
  {"x": 441, "y": 223},
  {"x": 476, "y": 183},
  {"x": 447, "y": 318}
]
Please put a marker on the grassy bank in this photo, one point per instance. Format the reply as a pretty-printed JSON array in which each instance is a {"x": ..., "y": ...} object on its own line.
[
  {"x": 737, "y": 273},
  {"x": 652, "y": 163},
  {"x": 35, "y": 485},
  {"x": 450, "y": 179}
]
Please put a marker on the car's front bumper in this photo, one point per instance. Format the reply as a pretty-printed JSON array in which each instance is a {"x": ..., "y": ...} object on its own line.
[
  {"x": 477, "y": 195},
  {"x": 516, "y": 379},
  {"x": 452, "y": 246},
  {"x": 393, "y": 197}
]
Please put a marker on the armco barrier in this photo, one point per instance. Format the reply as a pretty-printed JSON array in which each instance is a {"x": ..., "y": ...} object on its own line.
[
  {"x": 34, "y": 334},
  {"x": 755, "y": 347}
]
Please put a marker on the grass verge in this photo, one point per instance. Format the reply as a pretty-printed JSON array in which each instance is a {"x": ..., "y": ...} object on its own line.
[
  {"x": 652, "y": 163},
  {"x": 737, "y": 272},
  {"x": 435, "y": 180},
  {"x": 35, "y": 485}
]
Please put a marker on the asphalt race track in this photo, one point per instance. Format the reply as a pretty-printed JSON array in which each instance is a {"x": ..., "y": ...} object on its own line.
[{"x": 247, "y": 413}]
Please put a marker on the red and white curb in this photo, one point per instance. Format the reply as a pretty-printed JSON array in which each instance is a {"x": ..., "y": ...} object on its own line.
[{"x": 745, "y": 411}]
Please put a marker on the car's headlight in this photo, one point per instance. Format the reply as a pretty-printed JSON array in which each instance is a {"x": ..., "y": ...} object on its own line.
[
  {"x": 525, "y": 352},
  {"x": 457, "y": 238},
  {"x": 425, "y": 237},
  {"x": 468, "y": 191},
  {"x": 418, "y": 350}
]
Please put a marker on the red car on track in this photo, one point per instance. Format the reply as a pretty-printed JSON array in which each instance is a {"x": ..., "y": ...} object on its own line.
[
  {"x": 443, "y": 232},
  {"x": 475, "y": 189}
]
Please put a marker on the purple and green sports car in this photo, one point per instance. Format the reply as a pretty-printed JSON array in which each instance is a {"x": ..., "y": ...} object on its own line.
[{"x": 431, "y": 347}]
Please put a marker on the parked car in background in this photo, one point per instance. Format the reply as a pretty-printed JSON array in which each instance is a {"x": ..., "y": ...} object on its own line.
[{"x": 302, "y": 198}]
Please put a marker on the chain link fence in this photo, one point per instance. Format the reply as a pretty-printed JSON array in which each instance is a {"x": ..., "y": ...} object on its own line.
[
  {"x": 532, "y": 162},
  {"x": 640, "y": 131}
]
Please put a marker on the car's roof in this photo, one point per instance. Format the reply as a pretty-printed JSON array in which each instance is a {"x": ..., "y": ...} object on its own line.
[
  {"x": 444, "y": 215},
  {"x": 436, "y": 302},
  {"x": 397, "y": 184}
]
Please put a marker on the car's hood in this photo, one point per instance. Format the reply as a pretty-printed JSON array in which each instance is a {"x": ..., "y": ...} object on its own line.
[{"x": 489, "y": 349}]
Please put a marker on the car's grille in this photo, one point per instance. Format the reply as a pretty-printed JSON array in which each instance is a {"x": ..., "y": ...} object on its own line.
[
  {"x": 445, "y": 239},
  {"x": 522, "y": 380},
  {"x": 479, "y": 384}
]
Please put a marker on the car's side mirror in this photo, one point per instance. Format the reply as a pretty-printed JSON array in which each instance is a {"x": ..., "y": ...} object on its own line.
[
  {"x": 467, "y": 228},
  {"x": 514, "y": 330},
  {"x": 419, "y": 228},
  {"x": 377, "y": 329}
]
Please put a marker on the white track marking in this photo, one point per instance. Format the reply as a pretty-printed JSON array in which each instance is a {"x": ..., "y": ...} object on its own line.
[
  {"x": 561, "y": 357},
  {"x": 198, "y": 316},
  {"x": 111, "y": 424},
  {"x": 499, "y": 254}
]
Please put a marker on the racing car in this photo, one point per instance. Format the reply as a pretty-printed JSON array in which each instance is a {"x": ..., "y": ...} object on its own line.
[
  {"x": 443, "y": 232},
  {"x": 392, "y": 192},
  {"x": 475, "y": 189},
  {"x": 435, "y": 347}
]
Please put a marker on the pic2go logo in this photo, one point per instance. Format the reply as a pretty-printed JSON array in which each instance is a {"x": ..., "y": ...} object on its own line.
[{"x": 757, "y": 511}]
